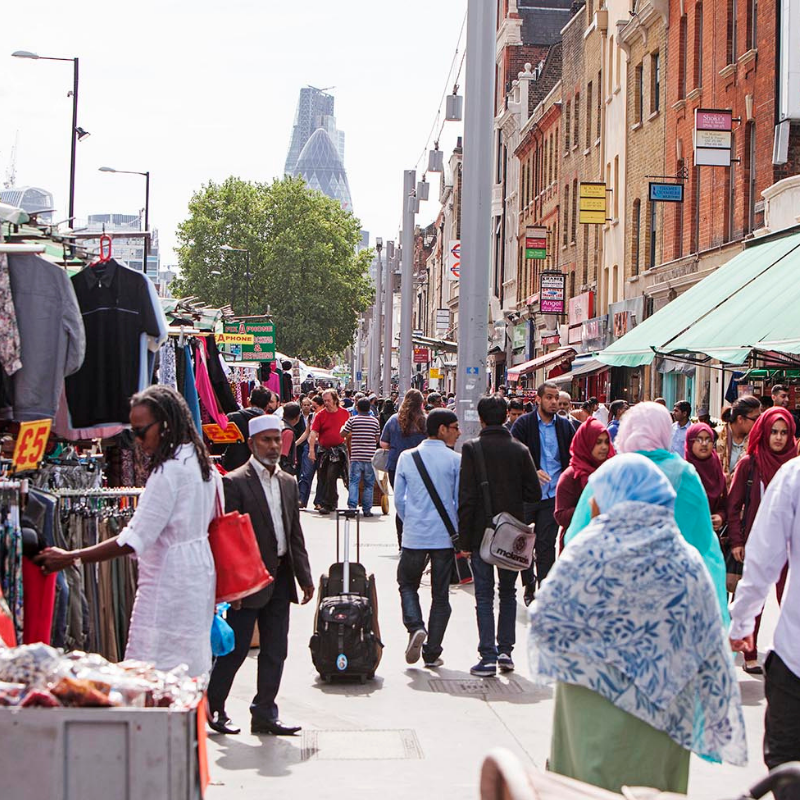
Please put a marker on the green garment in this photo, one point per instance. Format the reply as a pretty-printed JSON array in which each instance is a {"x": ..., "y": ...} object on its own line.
[
  {"x": 598, "y": 743},
  {"x": 694, "y": 525}
]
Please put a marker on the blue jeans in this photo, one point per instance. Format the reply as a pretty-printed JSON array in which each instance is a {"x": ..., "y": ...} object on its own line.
[
  {"x": 306, "y": 473},
  {"x": 359, "y": 470},
  {"x": 483, "y": 575},
  {"x": 409, "y": 573}
]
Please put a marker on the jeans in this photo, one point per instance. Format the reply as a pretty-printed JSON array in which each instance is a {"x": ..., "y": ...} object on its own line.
[
  {"x": 483, "y": 575},
  {"x": 409, "y": 573},
  {"x": 306, "y": 471},
  {"x": 359, "y": 470},
  {"x": 542, "y": 515},
  {"x": 782, "y": 720}
]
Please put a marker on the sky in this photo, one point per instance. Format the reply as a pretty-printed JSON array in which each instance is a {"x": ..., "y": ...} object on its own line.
[{"x": 199, "y": 91}]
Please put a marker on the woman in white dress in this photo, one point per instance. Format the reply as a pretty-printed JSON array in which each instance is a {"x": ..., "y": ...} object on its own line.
[{"x": 168, "y": 534}]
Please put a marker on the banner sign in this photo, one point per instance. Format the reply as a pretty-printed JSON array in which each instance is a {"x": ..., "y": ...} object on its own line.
[
  {"x": 421, "y": 355},
  {"x": 442, "y": 319},
  {"x": 434, "y": 374},
  {"x": 519, "y": 336},
  {"x": 536, "y": 242},
  {"x": 550, "y": 340},
  {"x": 234, "y": 338},
  {"x": 31, "y": 442},
  {"x": 230, "y": 435},
  {"x": 552, "y": 292},
  {"x": 453, "y": 270},
  {"x": 581, "y": 308},
  {"x": 592, "y": 204},
  {"x": 666, "y": 192},
  {"x": 712, "y": 137},
  {"x": 262, "y": 332}
]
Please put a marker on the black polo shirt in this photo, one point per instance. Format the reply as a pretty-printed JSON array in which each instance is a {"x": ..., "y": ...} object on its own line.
[{"x": 117, "y": 309}]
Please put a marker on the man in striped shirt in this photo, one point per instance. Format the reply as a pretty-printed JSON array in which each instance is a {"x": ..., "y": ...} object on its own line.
[{"x": 364, "y": 432}]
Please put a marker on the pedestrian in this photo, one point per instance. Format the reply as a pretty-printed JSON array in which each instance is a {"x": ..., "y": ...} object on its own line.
[
  {"x": 387, "y": 411},
  {"x": 318, "y": 406},
  {"x": 512, "y": 481},
  {"x": 589, "y": 449},
  {"x": 347, "y": 401},
  {"x": 627, "y": 626},
  {"x": 168, "y": 534},
  {"x": 434, "y": 401},
  {"x": 306, "y": 465},
  {"x": 261, "y": 489},
  {"x": 647, "y": 429},
  {"x": 327, "y": 447},
  {"x": 565, "y": 409},
  {"x": 548, "y": 437},
  {"x": 681, "y": 413},
  {"x": 237, "y": 453},
  {"x": 583, "y": 413},
  {"x": 774, "y": 542},
  {"x": 403, "y": 431},
  {"x": 426, "y": 536},
  {"x": 291, "y": 420},
  {"x": 780, "y": 395},
  {"x": 732, "y": 440},
  {"x": 364, "y": 432},
  {"x": 701, "y": 455},
  {"x": 770, "y": 445},
  {"x": 599, "y": 410},
  {"x": 615, "y": 412},
  {"x": 515, "y": 411}
]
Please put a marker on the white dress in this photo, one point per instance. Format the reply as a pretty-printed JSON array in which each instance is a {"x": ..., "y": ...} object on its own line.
[{"x": 174, "y": 606}]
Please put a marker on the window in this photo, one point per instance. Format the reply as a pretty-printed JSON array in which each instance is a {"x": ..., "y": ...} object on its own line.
[
  {"x": 651, "y": 262},
  {"x": 599, "y": 103},
  {"x": 589, "y": 115},
  {"x": 636, "y": 224},
  {"x": 524, "y": 185},
  {"x": 567, "y": 126},
  {"x": 698, "y": 46},
  {"x": 565, "y": 227},
  {"x": 616, "y": 187},
  {"x": 638, "y": 94},
  {"x": 574, "y": 229},
  {"x": 733, "y": 11},
  {"x": 682, "y": 56},
  {"x": 655, "y": 82},
  {"x": 750, "y": 174},
  {"x": 576, "y": 133},
  {"x": 752, "y": 25}
]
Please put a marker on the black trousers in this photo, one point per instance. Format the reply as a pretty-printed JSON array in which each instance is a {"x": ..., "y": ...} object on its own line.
[
  {"x": 782, "y": 720},
  {"x": 273, "y": 629},
  {"x": 328, "y": 473},
  {"x": 542, "y": 515}
]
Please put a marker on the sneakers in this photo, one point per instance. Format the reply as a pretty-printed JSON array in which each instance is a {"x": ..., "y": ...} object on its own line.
[
  {"x": 415, "y": 642},
  {"x": 484, "y": 669},
  {"x": 436, "y": 662},
  {"x": 505, "y": 662}
]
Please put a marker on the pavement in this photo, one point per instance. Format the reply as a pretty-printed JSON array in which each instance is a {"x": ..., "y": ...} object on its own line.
[{"x": 414, "y": 731}]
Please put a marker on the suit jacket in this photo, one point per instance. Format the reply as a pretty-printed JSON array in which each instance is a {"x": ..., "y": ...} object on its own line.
[
  {"x": 244, "y": 493},
  {"x": 512, "y": 482},
  {"x": 526, "y": 429}
]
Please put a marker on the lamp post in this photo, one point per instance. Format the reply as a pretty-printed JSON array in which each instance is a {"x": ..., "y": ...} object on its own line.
[
  {"x": 388, "y": 312},
  {"x": 407, "y": 278},
  {"x": 76, "y": 134},
  {"x": 247, "y": 275},
  {"x": 375, "y": 349},
  {"x": 146, "y": 176}
]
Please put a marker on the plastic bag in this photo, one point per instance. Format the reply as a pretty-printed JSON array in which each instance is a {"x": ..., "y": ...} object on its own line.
[{"x": 223, "y": 639}]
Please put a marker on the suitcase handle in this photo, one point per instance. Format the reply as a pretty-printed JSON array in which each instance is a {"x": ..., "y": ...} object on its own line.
[{"x": 349, "y": 514}]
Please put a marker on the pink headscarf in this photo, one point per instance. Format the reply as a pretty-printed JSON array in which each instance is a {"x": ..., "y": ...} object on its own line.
[{"x": 644, "y": 427}]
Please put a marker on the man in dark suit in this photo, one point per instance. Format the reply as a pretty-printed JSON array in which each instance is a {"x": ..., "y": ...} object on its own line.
[
  {"x": 269, "y": 496},
  {"x": 548, "y": 437}
]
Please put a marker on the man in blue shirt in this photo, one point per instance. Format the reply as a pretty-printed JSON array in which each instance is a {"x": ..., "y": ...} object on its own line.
[
  {"x": 548, "y": 437},
  {"x": 425, "y": 534},
  {"x": 681, "y": 414}
]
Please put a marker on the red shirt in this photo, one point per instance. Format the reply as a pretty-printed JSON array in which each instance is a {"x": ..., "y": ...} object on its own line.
[{"x": 327, "y": 424}]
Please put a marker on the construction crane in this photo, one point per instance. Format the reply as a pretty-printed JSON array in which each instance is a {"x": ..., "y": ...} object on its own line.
[{"x": 11, "y": 171}]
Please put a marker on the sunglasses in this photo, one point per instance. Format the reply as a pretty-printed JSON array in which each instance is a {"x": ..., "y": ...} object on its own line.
[{"x": 140, "y": 433}]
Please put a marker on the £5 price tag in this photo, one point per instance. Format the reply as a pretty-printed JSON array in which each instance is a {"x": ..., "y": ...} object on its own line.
[{"x": 31, "y": 442}]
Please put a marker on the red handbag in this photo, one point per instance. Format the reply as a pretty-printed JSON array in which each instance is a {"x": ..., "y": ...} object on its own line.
[{"x": 240, "y": 568}]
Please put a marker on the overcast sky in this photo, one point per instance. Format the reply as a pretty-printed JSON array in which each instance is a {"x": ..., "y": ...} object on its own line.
[{"x": 199, "y": 91}]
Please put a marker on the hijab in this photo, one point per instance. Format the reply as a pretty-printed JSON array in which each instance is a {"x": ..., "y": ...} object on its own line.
[
  {"x": 581, "y": 460},
  {"x": 769, "y": 462},
  {"x": 631, "y": 478},
  {"x": 709, "y": 469},
  {"x": 644, "y": 427}
]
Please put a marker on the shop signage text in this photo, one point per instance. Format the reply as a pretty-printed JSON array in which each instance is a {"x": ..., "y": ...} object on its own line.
[
  {"x": 581, "y": 308},
  {"x": 421, "y": 355},
  {"x": 666, "y": 192},
  {"x": 31, "y": 442},
  {"x": 552, "y": 291},
  {"x": 434, "y": 373},
  {"x": 262, "y": 332},
  {"x": 234, "y": 338},
  {"x": 592, "y": 204},
  {"x": 536, "y": 242},
  {"x": 230, "y": 435},
  {"x": 712, "y": 137}
]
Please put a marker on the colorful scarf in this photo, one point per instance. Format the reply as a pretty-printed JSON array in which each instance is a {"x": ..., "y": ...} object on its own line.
[{"x": 758, "y": 447}]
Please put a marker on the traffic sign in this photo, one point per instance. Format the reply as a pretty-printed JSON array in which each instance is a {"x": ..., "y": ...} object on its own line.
[
  {"x": 31, "y": 442},
  {"x": 473, "y": 371}
]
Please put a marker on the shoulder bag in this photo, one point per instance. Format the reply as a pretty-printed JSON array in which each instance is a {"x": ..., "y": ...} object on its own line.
[
  {"x": 507, "y": 543},
  {"x": 734, "y": 568}
]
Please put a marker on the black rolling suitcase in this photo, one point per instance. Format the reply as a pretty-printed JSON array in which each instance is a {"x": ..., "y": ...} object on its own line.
[{"x": 346, "y": 641}]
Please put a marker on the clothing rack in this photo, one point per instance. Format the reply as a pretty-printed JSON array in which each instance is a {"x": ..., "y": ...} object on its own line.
[{"x": 124, "y": 491}]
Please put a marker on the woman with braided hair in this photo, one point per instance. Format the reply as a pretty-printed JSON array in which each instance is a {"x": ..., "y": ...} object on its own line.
[{"x": 168, "y": 534}]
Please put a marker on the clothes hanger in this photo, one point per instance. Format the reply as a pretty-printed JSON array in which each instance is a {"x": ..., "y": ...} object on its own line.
[{"x": 105, "y": 255}]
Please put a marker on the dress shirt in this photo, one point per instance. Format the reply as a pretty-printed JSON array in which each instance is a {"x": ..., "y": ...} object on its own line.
[
  {"x": 678, "y": 445},
  {"x": 423, "y": 528},
  {"x": 272, "y": 491},
  {"x": 551, "y": 459},
  {"x": 774, "y": 537}
]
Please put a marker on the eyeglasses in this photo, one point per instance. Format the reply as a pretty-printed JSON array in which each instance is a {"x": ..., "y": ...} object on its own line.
[
  {"x": 704, "y": 440},
  {"x": 140, "y": 433},
  {"x": 454, "y": 425},
  {"x": 753, "y": 419}
]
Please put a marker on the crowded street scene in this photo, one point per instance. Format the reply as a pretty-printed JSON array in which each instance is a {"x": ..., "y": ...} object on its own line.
[{"x": 327, "y": 471}]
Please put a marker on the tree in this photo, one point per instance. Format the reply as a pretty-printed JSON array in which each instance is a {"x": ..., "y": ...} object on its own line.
[{"x": 303, "y": 261}]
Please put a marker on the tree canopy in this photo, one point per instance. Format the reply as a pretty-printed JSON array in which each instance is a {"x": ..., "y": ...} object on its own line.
[{"x": 303, "y": 261}]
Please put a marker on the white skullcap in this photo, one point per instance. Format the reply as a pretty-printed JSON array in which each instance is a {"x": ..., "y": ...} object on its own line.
[{"x": 264, "y": 422}]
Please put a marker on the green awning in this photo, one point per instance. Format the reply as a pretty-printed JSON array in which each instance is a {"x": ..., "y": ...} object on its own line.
[{"x": 748, "y": 303}]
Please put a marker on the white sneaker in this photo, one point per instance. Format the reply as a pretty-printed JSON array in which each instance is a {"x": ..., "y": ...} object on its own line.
[{"x": 415, "y": 642}]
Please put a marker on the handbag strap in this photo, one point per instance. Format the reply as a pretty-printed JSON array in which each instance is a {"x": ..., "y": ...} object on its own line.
[
  {"x": 434, "y": 495},
  {"x": 483, "y": 479}
]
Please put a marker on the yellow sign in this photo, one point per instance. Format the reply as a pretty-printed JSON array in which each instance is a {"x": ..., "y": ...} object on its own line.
[
  {"x": 592, "y": 217},
  {"x": 593, "y": 190},
  {"x": 31, "y": 442},
  {"x": 592, "y": 204},
  {"x": 230, "y": 435},
  {"x": 434, "y": 374},
  {"x": 234, "y": 338}
]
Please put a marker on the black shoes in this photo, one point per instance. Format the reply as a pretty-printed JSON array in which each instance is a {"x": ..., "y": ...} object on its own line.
[
  {"x": 274, "y": 727},
  {"x": 222, "y": 723},
  {"x": 529, "y": 594}
]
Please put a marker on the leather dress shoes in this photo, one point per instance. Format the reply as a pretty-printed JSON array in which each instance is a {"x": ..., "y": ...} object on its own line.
[
  {"x": 221, "y": 723},
  {"x": 273, "y": 726}
]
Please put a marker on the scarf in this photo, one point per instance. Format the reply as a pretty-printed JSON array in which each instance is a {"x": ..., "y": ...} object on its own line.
[
  {"x": 769, "y": 462},
  {"x": 581, "y": 460},
  {"x": 645, "y": 427},
  {"x": 709, "y": 469}
]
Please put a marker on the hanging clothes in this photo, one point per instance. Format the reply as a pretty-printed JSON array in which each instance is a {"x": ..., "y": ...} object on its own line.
[
  {"x": 11, "y": 556},
  {"x": 10, "y": 351},
  {"x": 219, "y": 380},
  {"x": 204, "y": 388},
  {"x": 167, "y": 374},
  {"x": 190, "y": 388}
]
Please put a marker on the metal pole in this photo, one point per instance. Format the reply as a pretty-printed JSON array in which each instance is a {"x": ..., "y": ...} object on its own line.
[
  {"x": 247, "y": 284},
  {"x": 476, "y": 214},
  {"x": 407, "y": 277},
  {"x": 73, "y": 142},
  {"x": 146, "y": 219},
  {"x": 388, "y": 312},
  {"x": 357, "y": 369},
  {"x": 375, "y": 349}
]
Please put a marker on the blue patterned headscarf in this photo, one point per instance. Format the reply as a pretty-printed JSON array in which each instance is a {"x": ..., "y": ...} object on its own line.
[{"x": 629, "y": 611}]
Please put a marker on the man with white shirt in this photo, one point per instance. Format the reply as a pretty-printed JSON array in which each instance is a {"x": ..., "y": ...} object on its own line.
[
  {"x": 775, "y": 539},
  {"x": 261, "y": 489}
]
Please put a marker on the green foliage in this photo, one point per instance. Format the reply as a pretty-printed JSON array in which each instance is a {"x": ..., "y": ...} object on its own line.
[{"x": 303, "y": 261}]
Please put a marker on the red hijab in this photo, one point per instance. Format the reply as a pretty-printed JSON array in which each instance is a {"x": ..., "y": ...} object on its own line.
[
  {"x": 709, "y": 469},
  {"x": 758, "y": 447},
  {"x": 581, "y": 460}
]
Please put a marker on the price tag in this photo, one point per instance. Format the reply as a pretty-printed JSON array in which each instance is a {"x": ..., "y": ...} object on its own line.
[
  {"x": 228, "y": 436},
  {"x": 31, "y": 442}
]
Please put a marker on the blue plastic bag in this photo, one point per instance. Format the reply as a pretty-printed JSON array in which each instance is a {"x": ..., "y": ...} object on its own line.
[{"x": 222, "y": 638}]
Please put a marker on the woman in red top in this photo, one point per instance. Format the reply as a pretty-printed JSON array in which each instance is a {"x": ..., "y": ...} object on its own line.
[
  {"x": 770, "y": 445},
  {"x": 590, "y": 447},
  {"x": 700, "y": 453}
]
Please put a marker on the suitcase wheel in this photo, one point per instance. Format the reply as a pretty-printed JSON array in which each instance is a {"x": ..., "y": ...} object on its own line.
[
  {"x": 362, "y": 679},
  {"x": 371, "y": 676}
]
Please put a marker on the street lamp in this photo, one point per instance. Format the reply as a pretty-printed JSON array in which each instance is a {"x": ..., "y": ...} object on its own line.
[
  {"x": 146, "y": 176},
  {"x": 76, "y": 134},
  {"x": 247, "y": 275}
]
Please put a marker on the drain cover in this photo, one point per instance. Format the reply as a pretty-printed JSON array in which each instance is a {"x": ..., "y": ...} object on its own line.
[
  {"x": 360, "y": 745},
  {"x": 465, "y": 687}
]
